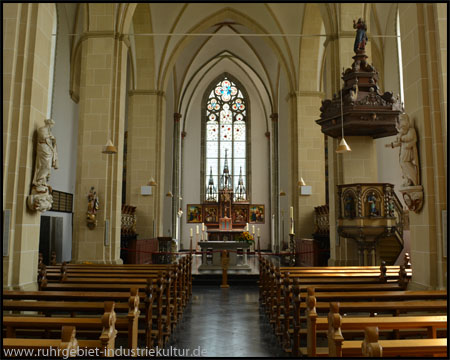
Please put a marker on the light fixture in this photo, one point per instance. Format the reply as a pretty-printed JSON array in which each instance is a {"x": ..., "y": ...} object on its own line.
[
  {"x": 169, "y": 194},
  {"x": 152, "y": 182},
  {"x": 301, "y": 182},
  {"x": 343, "y": 146},
  {"x": 282, "y": 193},
  {"x": 109, "y": 148}
]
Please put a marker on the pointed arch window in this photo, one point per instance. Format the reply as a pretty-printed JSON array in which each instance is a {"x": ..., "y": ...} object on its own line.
[{"x": 225, "y": 140}]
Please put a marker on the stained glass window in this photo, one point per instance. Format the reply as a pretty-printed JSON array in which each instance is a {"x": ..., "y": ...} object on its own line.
[{"x": 226, "y": 115}]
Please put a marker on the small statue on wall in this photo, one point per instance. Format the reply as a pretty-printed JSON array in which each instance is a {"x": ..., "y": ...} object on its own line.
[
  {"x": 93, "y": 204},
  {"x": 46, "y": 159},
  {"x": 409, "y": 163}
]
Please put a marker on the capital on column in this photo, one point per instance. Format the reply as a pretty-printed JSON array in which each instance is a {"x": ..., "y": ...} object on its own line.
[{"x": 177, "y": 116}]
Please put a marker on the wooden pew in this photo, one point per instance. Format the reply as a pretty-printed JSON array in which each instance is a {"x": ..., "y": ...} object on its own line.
[
  {"x": 163, "y": 283},
  {"x": 129, "y": 322},
  {"x": 276, "y": 292},
  {"x": 371, "y": 296},
  {"x": 372, "y": 347},
  {"x": 146, "y": 301},
  {"x": 66, "y": 346},
  {"x": 105, "y": 324},
  {"x": 335, "y": 320}
]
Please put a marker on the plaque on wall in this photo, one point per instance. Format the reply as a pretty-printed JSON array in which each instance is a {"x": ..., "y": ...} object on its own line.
[
  {"x": 194, "y": 213},
  {"x": 257, "y": 214},
  {"x": 62, "y": 201},
  {"x": 240, "y": 214},
  {"x": 211, "y": 214}
]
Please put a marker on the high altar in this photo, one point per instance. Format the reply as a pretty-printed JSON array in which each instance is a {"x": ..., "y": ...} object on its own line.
[
  {"x": 224, "y": 229},
  {"x": 227, "y": 229}
]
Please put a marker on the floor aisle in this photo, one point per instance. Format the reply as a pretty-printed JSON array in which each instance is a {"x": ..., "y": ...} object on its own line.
[{"x": 226, "y": 323}]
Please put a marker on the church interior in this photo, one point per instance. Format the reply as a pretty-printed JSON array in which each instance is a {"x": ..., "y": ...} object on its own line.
[{"x": 174, "y": 171}]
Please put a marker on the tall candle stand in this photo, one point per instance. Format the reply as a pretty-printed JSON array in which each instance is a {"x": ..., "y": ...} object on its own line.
[{"x": 291, "y": 249}]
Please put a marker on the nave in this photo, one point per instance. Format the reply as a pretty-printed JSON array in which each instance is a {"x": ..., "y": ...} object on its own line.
[{"x": 226, "y": 322}]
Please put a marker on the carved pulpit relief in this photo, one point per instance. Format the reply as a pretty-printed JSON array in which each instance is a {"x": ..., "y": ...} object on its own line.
[{"x": 406, "y": 140}]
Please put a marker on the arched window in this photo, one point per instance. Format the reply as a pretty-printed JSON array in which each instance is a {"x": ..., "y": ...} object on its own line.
[{"x": 225, "y": 130}]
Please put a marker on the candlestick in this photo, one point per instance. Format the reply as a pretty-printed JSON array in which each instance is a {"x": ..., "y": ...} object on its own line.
[
  {"x": 197, "y": 229},
  {"x": 192, "y": 232}
]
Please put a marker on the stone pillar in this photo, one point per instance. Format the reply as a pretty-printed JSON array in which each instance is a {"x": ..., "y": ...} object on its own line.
[
  {"x": 26, "y": 57},
  {"x": 275, "y": 180},
  {"x": 101, "y": 117},
  {"x": 176, "y": 203},
  {"x": 422, "y": 39},
  {"x": 310, "y": 161},
  {"x": 145, "y": 142}
]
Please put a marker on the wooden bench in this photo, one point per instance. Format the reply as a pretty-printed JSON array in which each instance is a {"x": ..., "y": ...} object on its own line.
[
  {"x": 66, "y": 346},
  {"x": 372, "y": 347},
  {"x": 277, "y": 291},
  {"x": 335, "y": 324},
  {"x": 164, "y": 285},
  {"x": 106, "y": 326},
  {"x": 129, "y": 322}
]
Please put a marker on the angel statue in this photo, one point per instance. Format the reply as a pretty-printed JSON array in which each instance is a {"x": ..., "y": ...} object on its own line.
[{"x": 408, "y": 156}]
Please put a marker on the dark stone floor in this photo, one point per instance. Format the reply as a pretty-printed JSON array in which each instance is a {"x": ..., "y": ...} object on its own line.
[{"x": 226, "y": 323}]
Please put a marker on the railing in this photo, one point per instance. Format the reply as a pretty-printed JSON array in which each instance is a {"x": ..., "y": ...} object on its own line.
[{"x": 399, "y": 215}]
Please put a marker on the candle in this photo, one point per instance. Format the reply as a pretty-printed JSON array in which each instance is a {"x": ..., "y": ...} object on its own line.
[
  {"x": 202, "y": 236},
  {"x": 253, "y": 229},
  {"x": 246, "y": 227},
  {"x": 203, "y": 226},
  {"x": 257, "y": 232},
  {"x": 192, "y": 232},
  {"x": 292, "y": 212},
  {"x": 197, "y": 230}
]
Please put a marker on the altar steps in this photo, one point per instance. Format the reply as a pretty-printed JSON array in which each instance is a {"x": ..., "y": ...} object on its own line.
[{"x": 216, "y": 279}]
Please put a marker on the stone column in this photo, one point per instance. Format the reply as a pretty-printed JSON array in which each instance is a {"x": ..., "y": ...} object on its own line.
[
  {"x": 26, "y": 57},
  {"x": 423, "y": 40},
  {"x": 101, "y": 117},
  {"x": 176, "y": 175},
  {"x": 275, "y": 180},
  {"x": 145, "y": 142},
  {"x": 310, "y": 161}
]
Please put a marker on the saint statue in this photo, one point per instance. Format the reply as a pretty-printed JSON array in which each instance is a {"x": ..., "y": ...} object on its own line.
[
  {"x": 408, "y": 156},
  {"x": 40, "y": 198},
  {"x": 361, "y": 37},
  {"x": 372, "y": 201},
  {"x": 46, "y": 155},
  {"x": 93, "y": 205}
]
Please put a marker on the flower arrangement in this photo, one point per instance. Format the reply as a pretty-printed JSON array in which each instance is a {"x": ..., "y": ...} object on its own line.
[{"x": 246, "y": 237}]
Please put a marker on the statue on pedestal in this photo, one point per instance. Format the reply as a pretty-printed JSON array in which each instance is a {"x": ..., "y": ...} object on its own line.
[
  {"x": 46, "y": 158},
  {"x": 93, "y": 204},
  {"x": 361, "y": 37},
  {"x": 409, "y": 162}
]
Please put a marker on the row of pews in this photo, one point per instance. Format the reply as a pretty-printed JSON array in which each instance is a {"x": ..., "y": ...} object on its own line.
[
  {"x": 336, "y": 306},
  {"x": 98, "y": 306}
]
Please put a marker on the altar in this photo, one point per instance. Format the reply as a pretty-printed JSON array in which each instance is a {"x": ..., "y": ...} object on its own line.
[
  {"x": 224, "y": 235},
  {"x": 215, "y": 263}
]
